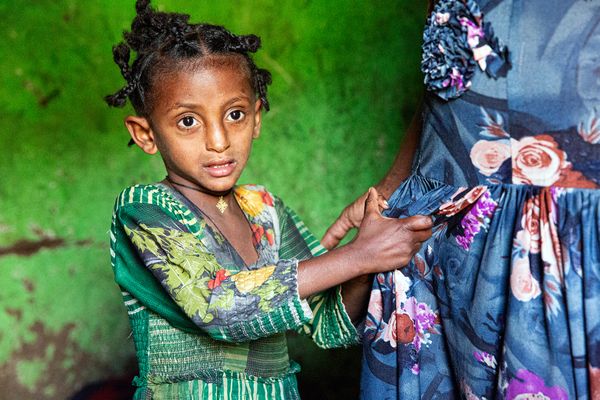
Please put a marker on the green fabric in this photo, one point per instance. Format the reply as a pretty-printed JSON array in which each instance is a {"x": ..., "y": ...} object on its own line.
[
  {"x": 160, "y": 249},
  {"x": 330, "y": 326},
  {"x": 129, "y": 272}
]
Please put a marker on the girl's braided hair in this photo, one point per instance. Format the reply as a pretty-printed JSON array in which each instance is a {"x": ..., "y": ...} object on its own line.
[{"x": 166, "y": 41}]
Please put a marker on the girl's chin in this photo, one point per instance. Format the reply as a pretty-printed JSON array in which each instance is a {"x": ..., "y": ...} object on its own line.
[{"x": 224, "y": 186}]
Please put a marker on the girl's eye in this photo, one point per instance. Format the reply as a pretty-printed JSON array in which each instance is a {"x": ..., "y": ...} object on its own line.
[
  {"x": 236, "y": 115},
  {"x": 187, "y": 122}
]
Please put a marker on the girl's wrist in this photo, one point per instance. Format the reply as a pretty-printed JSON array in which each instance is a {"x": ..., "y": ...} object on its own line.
[{"x": 360, "y": 262}]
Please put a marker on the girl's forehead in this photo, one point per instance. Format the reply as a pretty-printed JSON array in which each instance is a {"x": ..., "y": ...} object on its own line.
[
  {"x": 208, "y": 65},
  {"x": 206, "y": 83}
]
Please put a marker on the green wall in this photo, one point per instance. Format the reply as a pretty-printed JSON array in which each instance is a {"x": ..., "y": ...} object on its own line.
[{"x": 345, "y": 83}]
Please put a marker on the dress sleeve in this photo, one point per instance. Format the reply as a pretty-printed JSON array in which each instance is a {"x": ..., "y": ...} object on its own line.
[
  {"x": 330, "y": 326},
  {"x": 223, "y": 302}
]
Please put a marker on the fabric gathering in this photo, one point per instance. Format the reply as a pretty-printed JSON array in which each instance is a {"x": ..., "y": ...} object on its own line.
[{"x": 504, "y": 300}]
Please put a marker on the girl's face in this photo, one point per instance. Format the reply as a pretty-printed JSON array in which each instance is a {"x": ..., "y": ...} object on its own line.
[{"x": 203, "y": 124}]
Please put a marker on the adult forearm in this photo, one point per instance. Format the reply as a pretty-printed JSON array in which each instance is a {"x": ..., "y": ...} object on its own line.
[{"x": 402, "y": 165}]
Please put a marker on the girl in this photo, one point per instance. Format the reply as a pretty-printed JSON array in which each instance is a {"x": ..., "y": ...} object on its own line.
[{"x": 213, "y": 274}]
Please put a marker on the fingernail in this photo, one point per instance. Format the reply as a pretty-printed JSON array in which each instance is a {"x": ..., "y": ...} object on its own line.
[{"x": 385, "y": 203}]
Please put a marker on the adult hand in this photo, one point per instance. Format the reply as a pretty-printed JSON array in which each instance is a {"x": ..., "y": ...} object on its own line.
[{"x": 350, "y": 218}]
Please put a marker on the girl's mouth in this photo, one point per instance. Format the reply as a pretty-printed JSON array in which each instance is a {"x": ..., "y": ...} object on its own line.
[{"x": 219, "y": 169}]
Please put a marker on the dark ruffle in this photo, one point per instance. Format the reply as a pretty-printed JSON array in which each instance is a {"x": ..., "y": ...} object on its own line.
[{"x": 454, "y": 30}]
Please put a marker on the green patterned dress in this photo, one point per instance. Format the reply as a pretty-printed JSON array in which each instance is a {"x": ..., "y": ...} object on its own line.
[{"x": 205, "y": 325}]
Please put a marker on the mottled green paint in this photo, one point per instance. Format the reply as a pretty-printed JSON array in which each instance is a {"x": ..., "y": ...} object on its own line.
[
  {"x": 345, "y": 83},
  {"x": 30, "y": 371}
]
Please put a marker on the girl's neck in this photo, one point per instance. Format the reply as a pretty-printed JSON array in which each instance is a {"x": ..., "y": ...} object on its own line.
[
  {"x": 232, "y": 223},
  {"x": 216, "y": 205},
  {"x": 178, "y": 184}
]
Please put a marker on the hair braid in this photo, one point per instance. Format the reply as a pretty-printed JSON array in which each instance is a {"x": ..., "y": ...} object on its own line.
[
  {"x": 262, "y": 78},
  {"x": 166, "y": 41}
]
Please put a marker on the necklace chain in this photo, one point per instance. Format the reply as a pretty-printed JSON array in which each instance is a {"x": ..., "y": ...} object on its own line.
[{"x": 221, "y": 204}]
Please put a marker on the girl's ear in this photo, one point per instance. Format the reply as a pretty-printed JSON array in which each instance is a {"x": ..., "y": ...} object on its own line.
[
  {"x": 257, "y": 118},
  {"x": 141, "y": 132}
]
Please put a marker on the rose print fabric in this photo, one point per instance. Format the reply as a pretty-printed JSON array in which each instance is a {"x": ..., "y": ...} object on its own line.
[{"x": 504, "y": 300}]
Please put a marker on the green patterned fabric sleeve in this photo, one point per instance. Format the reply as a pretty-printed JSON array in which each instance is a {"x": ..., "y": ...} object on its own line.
[
  {"x": 330, "y": 326},
  {"x": 226, "y": 303}
]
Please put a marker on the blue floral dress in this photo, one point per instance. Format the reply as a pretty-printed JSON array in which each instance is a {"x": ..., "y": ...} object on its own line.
[{"x": 504, "y": 300}]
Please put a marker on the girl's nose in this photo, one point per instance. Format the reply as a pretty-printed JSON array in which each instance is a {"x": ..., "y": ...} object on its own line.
[{"x": 217, "y": 138}]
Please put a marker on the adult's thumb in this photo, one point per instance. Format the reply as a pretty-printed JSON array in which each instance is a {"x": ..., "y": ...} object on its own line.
[{"x": 371, "y": 203}]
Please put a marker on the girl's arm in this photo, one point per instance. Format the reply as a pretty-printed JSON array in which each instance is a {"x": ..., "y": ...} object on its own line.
[
  {"x": 381, "y": 244},
  {"x": 337, "y": 310},
  {"x": 159, "y": 259}
]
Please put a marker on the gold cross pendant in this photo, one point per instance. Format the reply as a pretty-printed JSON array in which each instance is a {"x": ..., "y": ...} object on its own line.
[{"x": 222, "y": 204}]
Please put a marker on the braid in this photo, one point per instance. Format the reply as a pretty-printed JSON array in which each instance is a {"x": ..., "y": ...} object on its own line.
[
  {"x": 262, "y": 78},
  {"x": 121, "y": 54},
  {"x": 167, "y": 41},
  {"x": 248, "y": 43}
]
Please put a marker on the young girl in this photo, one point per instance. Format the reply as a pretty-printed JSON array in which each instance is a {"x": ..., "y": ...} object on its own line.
[{"x": 213, "y": 274}]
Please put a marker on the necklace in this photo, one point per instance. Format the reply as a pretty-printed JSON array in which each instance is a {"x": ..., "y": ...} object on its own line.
[{"x": 221, "y": 204}]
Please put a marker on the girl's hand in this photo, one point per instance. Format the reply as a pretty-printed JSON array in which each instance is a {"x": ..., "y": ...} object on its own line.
[
  {"x": 384, "y": 244},
  {"x": 351, "y": 217},
  {"x": 381, "y": 244}
]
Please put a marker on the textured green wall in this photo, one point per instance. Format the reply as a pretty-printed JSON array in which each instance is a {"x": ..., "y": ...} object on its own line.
[{"x": 345, "y": 83}]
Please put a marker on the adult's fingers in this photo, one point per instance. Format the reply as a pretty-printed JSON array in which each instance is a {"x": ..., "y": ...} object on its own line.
[
  {"x": 372, "y": 202},
  {"x": 337, "y": 231},
  {"x": 382, "y": 202}
]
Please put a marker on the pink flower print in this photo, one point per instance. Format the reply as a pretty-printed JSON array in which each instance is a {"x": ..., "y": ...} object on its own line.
[
  {"x": 480, "y": 55},
  {"x": 415, "y": 369},
  {"x": 456, "y": 79},
  {"x": 528, "y": 386},
  {"x": 375, "y": 305},
  {"x": 400, "y": 329},
  {"x": 488, "y": 155},
  {"x": 401, "y": 287},
  {"x": 485, "y": 358},
  {"x": 424, "y": 321},
  {"x": 477, "y": 218},
  {"x": 538, "y": 161},
  {"x": 529, "y": 237},
  {"x": 550, "y": 250},
  {"x": 453, "y": 207},
  {"x": 474, "y": 32},
  {"x": 442, "y": 18},
  {"x": 390, "y": 332},
  {"x": 522, "y": 284}
]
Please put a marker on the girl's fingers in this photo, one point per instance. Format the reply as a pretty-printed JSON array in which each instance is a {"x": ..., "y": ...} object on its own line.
[{"x": 418, "y": 222}]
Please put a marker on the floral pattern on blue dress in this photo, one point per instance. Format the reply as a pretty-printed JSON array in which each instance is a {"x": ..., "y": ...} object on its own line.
[{"x": 503, "y": 301}]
